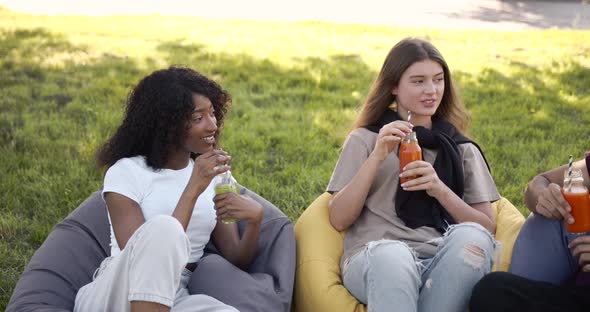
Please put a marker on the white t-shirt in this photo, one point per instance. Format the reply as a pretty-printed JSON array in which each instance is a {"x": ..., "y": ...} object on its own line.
[{"x": 157, "y": 192}]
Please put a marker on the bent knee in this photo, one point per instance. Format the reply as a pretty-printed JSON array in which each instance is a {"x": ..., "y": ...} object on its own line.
[
  {"x": 165, "y": 230},
  {"x": 165, "y": 225},
  {"x": 541, "y": 225},
  {"x": 387, "y": 252},
  {"x": 473, "y": 243},
  {"x": 391, "y": 261},
  {"x": 540, "y": 219},
  {"x": 470, "y": 233}
]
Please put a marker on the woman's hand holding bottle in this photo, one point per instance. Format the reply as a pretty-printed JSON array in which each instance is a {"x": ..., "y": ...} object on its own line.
[
  {"x": 207, "y": 166},
  {"x": 551, "y": 204},
  {"x": 389, "y": 137},
  {"x": 232, "y": 205},
  {"x": 426, "y": 180}
]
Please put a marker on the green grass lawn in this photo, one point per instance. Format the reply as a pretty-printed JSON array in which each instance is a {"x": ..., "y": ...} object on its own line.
[{"x": 296, "y": 90}]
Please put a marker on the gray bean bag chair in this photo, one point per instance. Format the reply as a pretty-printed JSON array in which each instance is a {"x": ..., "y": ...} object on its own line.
[{"x": 75, "y": 248}]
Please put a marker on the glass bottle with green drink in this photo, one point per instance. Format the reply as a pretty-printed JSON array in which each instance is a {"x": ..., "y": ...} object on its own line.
[{"x": 227, "y": 184}]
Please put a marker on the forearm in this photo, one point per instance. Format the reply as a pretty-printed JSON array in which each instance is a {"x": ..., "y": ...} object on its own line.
[
  {"x": 246, "y": 248},
  {"x": 463, "y": 212},
  {"x": 186, "y": 204},
  {"x": 347, "y": 204},
  {"x": 534, "y": 189}
]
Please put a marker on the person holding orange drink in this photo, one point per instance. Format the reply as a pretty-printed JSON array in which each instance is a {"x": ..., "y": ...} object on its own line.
[
  {"x": 550, "y": 268},
  {"x": 413, "y": 193}
]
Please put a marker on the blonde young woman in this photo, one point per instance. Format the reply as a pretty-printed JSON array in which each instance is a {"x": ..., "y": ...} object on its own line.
[{"x": 423, "y": 244}]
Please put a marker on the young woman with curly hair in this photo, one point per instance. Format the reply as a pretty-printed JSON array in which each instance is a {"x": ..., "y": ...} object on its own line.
[
  {"x": 162, "y": 165},
  {"x": 420, "y": 245}
]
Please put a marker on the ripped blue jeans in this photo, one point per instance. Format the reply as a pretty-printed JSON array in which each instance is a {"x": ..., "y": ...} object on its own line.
[{"x": 387, "y": 275}]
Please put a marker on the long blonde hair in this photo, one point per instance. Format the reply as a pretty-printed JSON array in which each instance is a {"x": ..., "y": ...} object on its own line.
[{"x": 400, "y": 57}]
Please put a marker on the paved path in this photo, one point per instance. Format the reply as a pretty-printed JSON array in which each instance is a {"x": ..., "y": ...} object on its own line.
[{"x": 454, "y": 14}]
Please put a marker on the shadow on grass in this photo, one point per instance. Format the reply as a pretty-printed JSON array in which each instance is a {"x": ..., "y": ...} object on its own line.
[
  {"x": 56, "y": 101},
  {"x": 59, "y": 102},
  {"x": 539, "y": 15},
  {"x": 286, "y": 124},
  {"x": 48, "y": 109}
]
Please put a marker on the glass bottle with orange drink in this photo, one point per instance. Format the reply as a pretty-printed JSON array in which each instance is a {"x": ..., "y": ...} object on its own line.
[
  {"x": 577, "y": 196},
  {"x": 409, "y": 151}
]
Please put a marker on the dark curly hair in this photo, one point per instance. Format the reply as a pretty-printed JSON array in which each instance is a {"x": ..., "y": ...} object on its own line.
[{"x": 158, "y": 116}]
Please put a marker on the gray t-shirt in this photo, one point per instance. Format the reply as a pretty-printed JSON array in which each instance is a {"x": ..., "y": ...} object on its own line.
[{"x": 378, "y": 219}]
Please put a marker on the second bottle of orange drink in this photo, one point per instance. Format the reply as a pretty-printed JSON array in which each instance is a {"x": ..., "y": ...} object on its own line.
[
  {"x": 409, "y": 151},
  {"x": 578, "y": 198}
]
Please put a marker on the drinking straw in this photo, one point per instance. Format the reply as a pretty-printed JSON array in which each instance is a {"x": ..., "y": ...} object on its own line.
[
  {"x": 569, "y": 172},
  {"x": 409, "y": 116}
]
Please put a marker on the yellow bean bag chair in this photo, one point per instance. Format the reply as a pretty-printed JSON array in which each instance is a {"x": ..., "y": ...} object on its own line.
[{"x": 318, "y": 283}]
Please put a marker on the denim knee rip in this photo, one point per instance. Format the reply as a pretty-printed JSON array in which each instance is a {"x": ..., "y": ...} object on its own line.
[{"x": 472, "y": 254}]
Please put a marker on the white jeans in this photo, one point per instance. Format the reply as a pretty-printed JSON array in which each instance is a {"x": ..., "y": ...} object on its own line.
[
  {"x": 387, "y": 276},
  {"x": 150, "y": 268}
]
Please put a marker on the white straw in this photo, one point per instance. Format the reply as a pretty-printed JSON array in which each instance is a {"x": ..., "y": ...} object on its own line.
[{"x": 409, "y": 116}]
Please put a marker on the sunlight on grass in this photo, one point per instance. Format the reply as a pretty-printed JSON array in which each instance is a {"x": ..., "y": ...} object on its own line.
[
  {"x": 59, "y": 60},
  {"x": 540, "y": 115},
  {"x": 332, "y": 123}
]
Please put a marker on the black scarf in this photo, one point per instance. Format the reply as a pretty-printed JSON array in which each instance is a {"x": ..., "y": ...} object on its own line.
[{"x": 417, "y": 208}]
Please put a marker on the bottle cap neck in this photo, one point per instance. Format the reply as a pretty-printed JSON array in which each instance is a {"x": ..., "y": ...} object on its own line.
[
  {"x": 573, "y": 174},
  {"x": 573, "y": 178},
  {"x": 411, "y": 137},
  {"x": 225, "y": 177}
]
